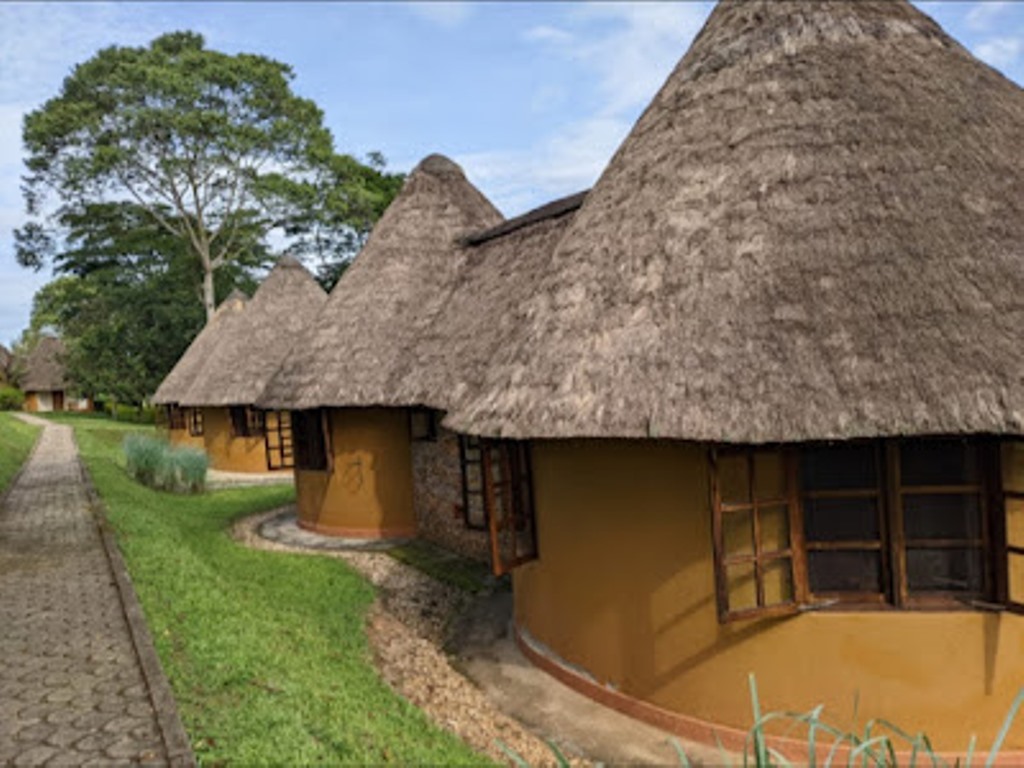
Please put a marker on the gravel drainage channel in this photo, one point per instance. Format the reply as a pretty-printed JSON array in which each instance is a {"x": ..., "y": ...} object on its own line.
[{"x": 408, "y": 628}]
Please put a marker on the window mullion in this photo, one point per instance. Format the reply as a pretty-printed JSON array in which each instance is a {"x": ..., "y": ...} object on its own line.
[
  {"x": 797, "y": 545},
  {"x": 898, "y": 553}
]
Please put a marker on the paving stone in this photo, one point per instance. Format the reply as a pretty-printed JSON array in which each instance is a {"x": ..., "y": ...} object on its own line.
[{"x": 71, "y": 686}]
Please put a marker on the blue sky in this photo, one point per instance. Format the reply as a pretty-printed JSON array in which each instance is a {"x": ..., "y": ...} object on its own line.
[{"x": 530, "y": 98}]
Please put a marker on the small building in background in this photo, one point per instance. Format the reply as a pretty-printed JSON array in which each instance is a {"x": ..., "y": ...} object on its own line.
[{"x": 43, "y": 379}]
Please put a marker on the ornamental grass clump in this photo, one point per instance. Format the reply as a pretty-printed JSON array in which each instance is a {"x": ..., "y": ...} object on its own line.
[{"x": 158, "y": 465}]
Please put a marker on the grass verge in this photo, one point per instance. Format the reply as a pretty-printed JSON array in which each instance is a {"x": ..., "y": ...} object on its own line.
[
  {"x": 452, "y": 569},
  {"x": 266, "y": 652},
  {"x": 16, "y": 441}
]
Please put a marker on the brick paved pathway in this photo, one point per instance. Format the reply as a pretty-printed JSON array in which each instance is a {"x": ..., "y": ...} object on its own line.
[{"x": 72, "y": 688}]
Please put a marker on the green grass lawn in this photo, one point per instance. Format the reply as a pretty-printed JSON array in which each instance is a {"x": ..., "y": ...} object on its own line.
[
  {"x": 266, "y": 652},
  {"x": 16, "y": 441}
]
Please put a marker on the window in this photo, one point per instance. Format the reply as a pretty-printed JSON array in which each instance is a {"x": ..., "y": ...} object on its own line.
[
  {"x": 896, "y": 523},
  {"x": 247, "y": 421},
  {"x": 310, "y": 430},
  {"x": 508, "y": 496},
  {"x": 174, "y": 416},
  {"x": 474, "y": 508},
  {"x": 423, "y": 425},
  {"x": 278, "y": 440},
  {"x": 194, "y": 419}
]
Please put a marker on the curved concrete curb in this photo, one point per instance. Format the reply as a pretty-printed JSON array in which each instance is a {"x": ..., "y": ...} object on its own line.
[{"x": 179, "y": 749}]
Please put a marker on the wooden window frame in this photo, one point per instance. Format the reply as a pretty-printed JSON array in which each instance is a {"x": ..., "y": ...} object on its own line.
[
  {"x": 892, "y": 543},
  {"x": 278, "y": 440},
  {"x": 322, "y": 419},
  {"x": 175, "y": 416},
  {"x": 467, "y": 443},
  {"x": 247, "y": 421},
  {"x": 512, "y": 488},
  {"x": 194, "y": 421}
]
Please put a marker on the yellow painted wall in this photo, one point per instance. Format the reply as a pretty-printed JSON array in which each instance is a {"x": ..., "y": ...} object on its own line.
[
  {"x": 369, "y": 491},
  {"x": 624, "y": 588},
  {"x": 184, "y": 437},
  {"x": 228, "y": 453}
]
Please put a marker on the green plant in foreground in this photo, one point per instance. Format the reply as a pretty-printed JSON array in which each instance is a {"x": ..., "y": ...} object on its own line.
[{"x": 144, "y": 458}]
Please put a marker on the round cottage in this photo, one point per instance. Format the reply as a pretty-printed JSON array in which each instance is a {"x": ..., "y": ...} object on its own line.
[{"x": 770, "y": 383}]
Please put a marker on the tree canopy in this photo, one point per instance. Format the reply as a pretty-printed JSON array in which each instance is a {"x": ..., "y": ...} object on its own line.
[
  {"x": 161, "y": 177},
  {"x": 215, "y": 149}
]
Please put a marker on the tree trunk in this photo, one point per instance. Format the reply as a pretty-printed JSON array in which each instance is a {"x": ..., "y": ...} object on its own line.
[{"x": 209, "y": 300}]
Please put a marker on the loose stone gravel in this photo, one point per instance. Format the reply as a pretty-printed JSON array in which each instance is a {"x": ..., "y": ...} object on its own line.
[{"x": 407, "y": 629}]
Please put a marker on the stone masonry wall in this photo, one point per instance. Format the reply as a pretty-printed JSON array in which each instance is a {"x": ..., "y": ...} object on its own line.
[{"x": 437, "y": 497}]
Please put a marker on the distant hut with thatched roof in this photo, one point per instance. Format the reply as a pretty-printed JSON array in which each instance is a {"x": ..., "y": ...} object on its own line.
[
  {"x": 765, "y": 400},
  {"x": 43, "y": 379},
  {"x": 185, "y": 426},
  {"x": 356, "y": 425},
  {"x": 211, "y": 392},
  {"x": 237, "y": 435}
]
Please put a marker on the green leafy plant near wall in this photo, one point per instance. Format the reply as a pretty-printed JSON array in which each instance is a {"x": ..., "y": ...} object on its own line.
[{"x": 156, "y": 464}]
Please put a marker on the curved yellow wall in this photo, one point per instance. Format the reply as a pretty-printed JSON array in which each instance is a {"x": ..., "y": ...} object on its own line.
[
  {"x": 369, "y": 492},
  {"x": 228, "y": 453},
  {"x": 184, "y": 437},
  {"x": 624, "y": 589}
]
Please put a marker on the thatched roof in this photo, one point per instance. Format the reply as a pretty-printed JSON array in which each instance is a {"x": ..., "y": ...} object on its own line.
[
  {"x": 251, "y": 349},
  {"x": 43, "y": 370},
  {"x": 481, "y": 306},
  {"x": 366, "y": 333},
  {"x": 177, "y": 383},
  {"x": 815, "y": 230}
]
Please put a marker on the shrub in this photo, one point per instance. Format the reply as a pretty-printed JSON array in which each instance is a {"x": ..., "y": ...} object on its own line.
[
  {"x": 11, "y": 399},
  {"x": 156, "y": 464}
]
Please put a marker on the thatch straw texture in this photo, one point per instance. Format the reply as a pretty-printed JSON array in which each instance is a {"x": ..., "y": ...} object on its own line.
[
  {"x": 176, "y": 384},
  {"x": 44, "y": 367},
  {"x": 366, "y": 333},
  {"x": 815, "y": 231},
  {"x": 250, "y": 349},
  {"x": 465, "y": 323}
]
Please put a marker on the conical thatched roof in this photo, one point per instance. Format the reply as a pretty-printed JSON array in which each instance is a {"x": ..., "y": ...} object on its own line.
[
  {"x": 176, "y": 385},
  {"x": 816, "y": 230},
  {"x": 44, "y": 367},
  {"x": 251, "y": 349},
  {"x": 481, "y": 305},
  {"x": 366, "y": 332}
]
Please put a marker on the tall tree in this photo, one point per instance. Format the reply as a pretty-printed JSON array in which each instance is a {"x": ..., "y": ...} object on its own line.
[{"x": 186, "y": 134}]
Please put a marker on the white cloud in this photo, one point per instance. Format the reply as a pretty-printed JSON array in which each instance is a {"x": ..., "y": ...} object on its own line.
[
  {"x": 444, "y": 13},
  {"x": 546, "y": 33},
  {"x": 983, "y": 14},
  {"x": 519, "y": 179},
  {"x": 1000, "y": 52}
]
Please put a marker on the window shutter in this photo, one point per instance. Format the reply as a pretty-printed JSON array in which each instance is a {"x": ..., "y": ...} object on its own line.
[
  {"x": 508, "y": 498},
  {"x": 278, "y": 440},
  {"x": 756, "y": 528},
  {"x": 1012, "y": 470}
]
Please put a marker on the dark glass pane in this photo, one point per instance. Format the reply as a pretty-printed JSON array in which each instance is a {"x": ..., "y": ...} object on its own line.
[
  {"x": 938, "y": 462},
  {"x": 838, "y": 467},
  {"x": 944, "y": 570},
  {"x": 845, "y": 571},
  {"x": 941, "y": 516},
  {"x": 841, "y": 520}
]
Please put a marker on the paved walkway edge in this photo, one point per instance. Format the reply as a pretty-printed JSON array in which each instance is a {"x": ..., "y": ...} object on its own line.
[{"x": 179, "y": 749}]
